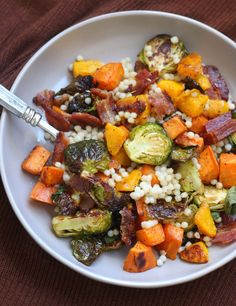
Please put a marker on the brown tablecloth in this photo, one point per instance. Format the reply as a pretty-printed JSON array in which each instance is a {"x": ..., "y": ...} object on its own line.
[{"x": 28, "y": 275}]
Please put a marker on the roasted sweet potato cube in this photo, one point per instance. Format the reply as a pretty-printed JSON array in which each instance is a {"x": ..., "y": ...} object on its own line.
[
  {"x": 228, "y": 169},
  {"x": 151, "y": 236},
  {"x": 140, "y": 258},
  {"x": 35, "y": 161},
  {"x": 51, "y": 175},
  {"x": 42, "y": 193},
  {"x": 174, "y": 127},
  {"x": 209, "y": 165}
]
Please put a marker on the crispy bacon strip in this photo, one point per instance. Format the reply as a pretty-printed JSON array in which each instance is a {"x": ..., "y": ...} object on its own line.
[
  {"x": 61, "y": 143},
  {"x": 225, "y": 234},
  {"x": 128, "y": 226},
  {"x": 106, "y": 110},
  {"x": 219, "y": 88},
  {"x": 137, "y": 107},
  {"x": 56, "y": 119},
  {"x": 99, "y": 93},
  {"x": 219, "y": 128},
  {"x": 139, "y": 66},
  {"x": 44, "y": 98},
  {"x": 161, "y": 105},
  {"x": 144, "y": 78},
  {"x": 85, "y": 119}
]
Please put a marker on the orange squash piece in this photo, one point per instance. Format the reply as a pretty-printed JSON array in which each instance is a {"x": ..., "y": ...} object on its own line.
[
  {"x": 151, "y": 236},
  {"x": 149, "y": 170},
  {"x": 42, "y": 193},
  {"x": 195, "y": 253},
  {"x": 174, "y": 127},
  {"x": 173, "y": 240},
  {"x": 115, "y": 137},
  {"x": 204, "y": 221},
  {"x": 209, "y": 166},
  {"x": 51, "y": 175},
  {"x": 228, "y": 169},
  {"x": 109, "y": 76},
  {"x": 35, "y": 161},
  {"x": 198, "y": 124},
  {"x": 140, "y": 258},
  {"x": 129, "y": 182},
  {"x": 190, "y": 66},
  {"x": 122, "y": 158},
  {"x": 184, "y": 141}
]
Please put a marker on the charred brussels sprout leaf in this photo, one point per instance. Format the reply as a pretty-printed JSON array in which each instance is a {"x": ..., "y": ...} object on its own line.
[
  {"x": 103, "y": 194},
  {"x": 214, "y": 197},
  {"x": 90, "y": 156},
  {"x": 78, "y": 103},
  {"x": 65, "y": 205},
  {"x": 160, "y": 54},
  {"x": 148, "y": 144},
  {"x": 180, "y": 154},
  {"x": 87, "y": 249},
  {"x": 94, "y": 222},
  {"x": 79, "y": 85},
  {"x": 230, "y": 201},
  {"x": 189, "y": 219},
  {"x": 190, "y": 180}
]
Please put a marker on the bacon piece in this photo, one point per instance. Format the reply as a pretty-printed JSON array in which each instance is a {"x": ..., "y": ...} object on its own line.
[
  {"x": 61, "y": 143},
  {"x": 225, "y": 234},
  {"x": 59, "y": 121},
  {"x": 137, "y": 107},
  {"x": 161, "y": 105},
  {"x": 219, "y": 128},
  {"x": 85, "y": 119},
  {"x": 144, "y": 78},
  {"x": 99, "y": 93},
  {"x": 219, "y": 88},
  {"x": 106, "y": 109},
  {"x": 128, "y": 226},
  {"x": 139, "y": 66},
  {"x": 44, "y": 98}
]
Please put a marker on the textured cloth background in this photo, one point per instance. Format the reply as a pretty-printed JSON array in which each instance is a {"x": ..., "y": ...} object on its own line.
[{"x": 28, "y": 275}]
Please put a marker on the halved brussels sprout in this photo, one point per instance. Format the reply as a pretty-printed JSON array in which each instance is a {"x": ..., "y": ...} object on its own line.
[
  {"x": 190, "y": 180},
  {"x": 189, "y": 219},
  {"x": 230, "y": 201},
  {"x": 148, "y": 144},
  {"x": 162, "y": 55},
  {"x": 87, "y": 155},
  {"x": 182, "y": 154},
  {"x": 214, "y": 197},
  {"x": 96, "y": 221}
]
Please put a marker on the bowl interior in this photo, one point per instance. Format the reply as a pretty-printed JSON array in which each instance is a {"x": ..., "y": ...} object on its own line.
[{"x": 109, "y": 38}]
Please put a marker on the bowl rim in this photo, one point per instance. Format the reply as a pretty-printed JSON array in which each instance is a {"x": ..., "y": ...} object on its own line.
[{"x": 21, "y": 218}]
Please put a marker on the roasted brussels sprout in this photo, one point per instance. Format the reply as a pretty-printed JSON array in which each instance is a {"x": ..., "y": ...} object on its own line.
[
  {"x": 182, "y": 154},
  {"x": 162, "y": 55},
  {"x": 214, "y": 197},
  {"x": 87, "y": 249},
  {"x": 65, "y": 205},
  {"x": 190, "y": 180},
  {"x": 189, "y": 219},
  {"x": 148, "y": 144},
  {"x": 232, "y": 139},
  {"x": 230, "y": 201},
  {"x": 90, "y": 156},
  {"x": 100, "y": 192},
  {"x": 94, "y": 222},
  {"x": 82, "y": 103},
  {"x": 79, "y": 85}
]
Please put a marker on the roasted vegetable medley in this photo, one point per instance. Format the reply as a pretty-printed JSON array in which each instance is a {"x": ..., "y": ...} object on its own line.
[{"x": 145, "y": 157}]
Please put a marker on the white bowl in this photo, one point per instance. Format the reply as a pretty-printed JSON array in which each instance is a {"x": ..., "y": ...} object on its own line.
[{"x": 109, "y": 38}]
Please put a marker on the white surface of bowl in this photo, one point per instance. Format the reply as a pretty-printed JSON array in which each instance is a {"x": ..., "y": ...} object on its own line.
[{"x": 109, "y": 37}]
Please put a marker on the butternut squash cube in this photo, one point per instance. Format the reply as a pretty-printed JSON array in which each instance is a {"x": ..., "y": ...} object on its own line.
[
  {"x": 172, "y": 88},
  {"x": 129, "y": 182},
  {"x": 214, "y": 108},
  {"x": 115, "y": 137},
  {"x": 191, "y": 102},
  {"x": 87, "y": 67},
  {"x": 204, "y": 221},
  {"x": 195, "y": 253}
]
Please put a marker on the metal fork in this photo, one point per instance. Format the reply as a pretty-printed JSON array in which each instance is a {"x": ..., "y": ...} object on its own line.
[{"x": 19, "y": 108}]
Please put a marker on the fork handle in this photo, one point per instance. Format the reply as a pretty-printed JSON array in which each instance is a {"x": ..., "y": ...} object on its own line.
[{"x": 19, "y": 108}]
